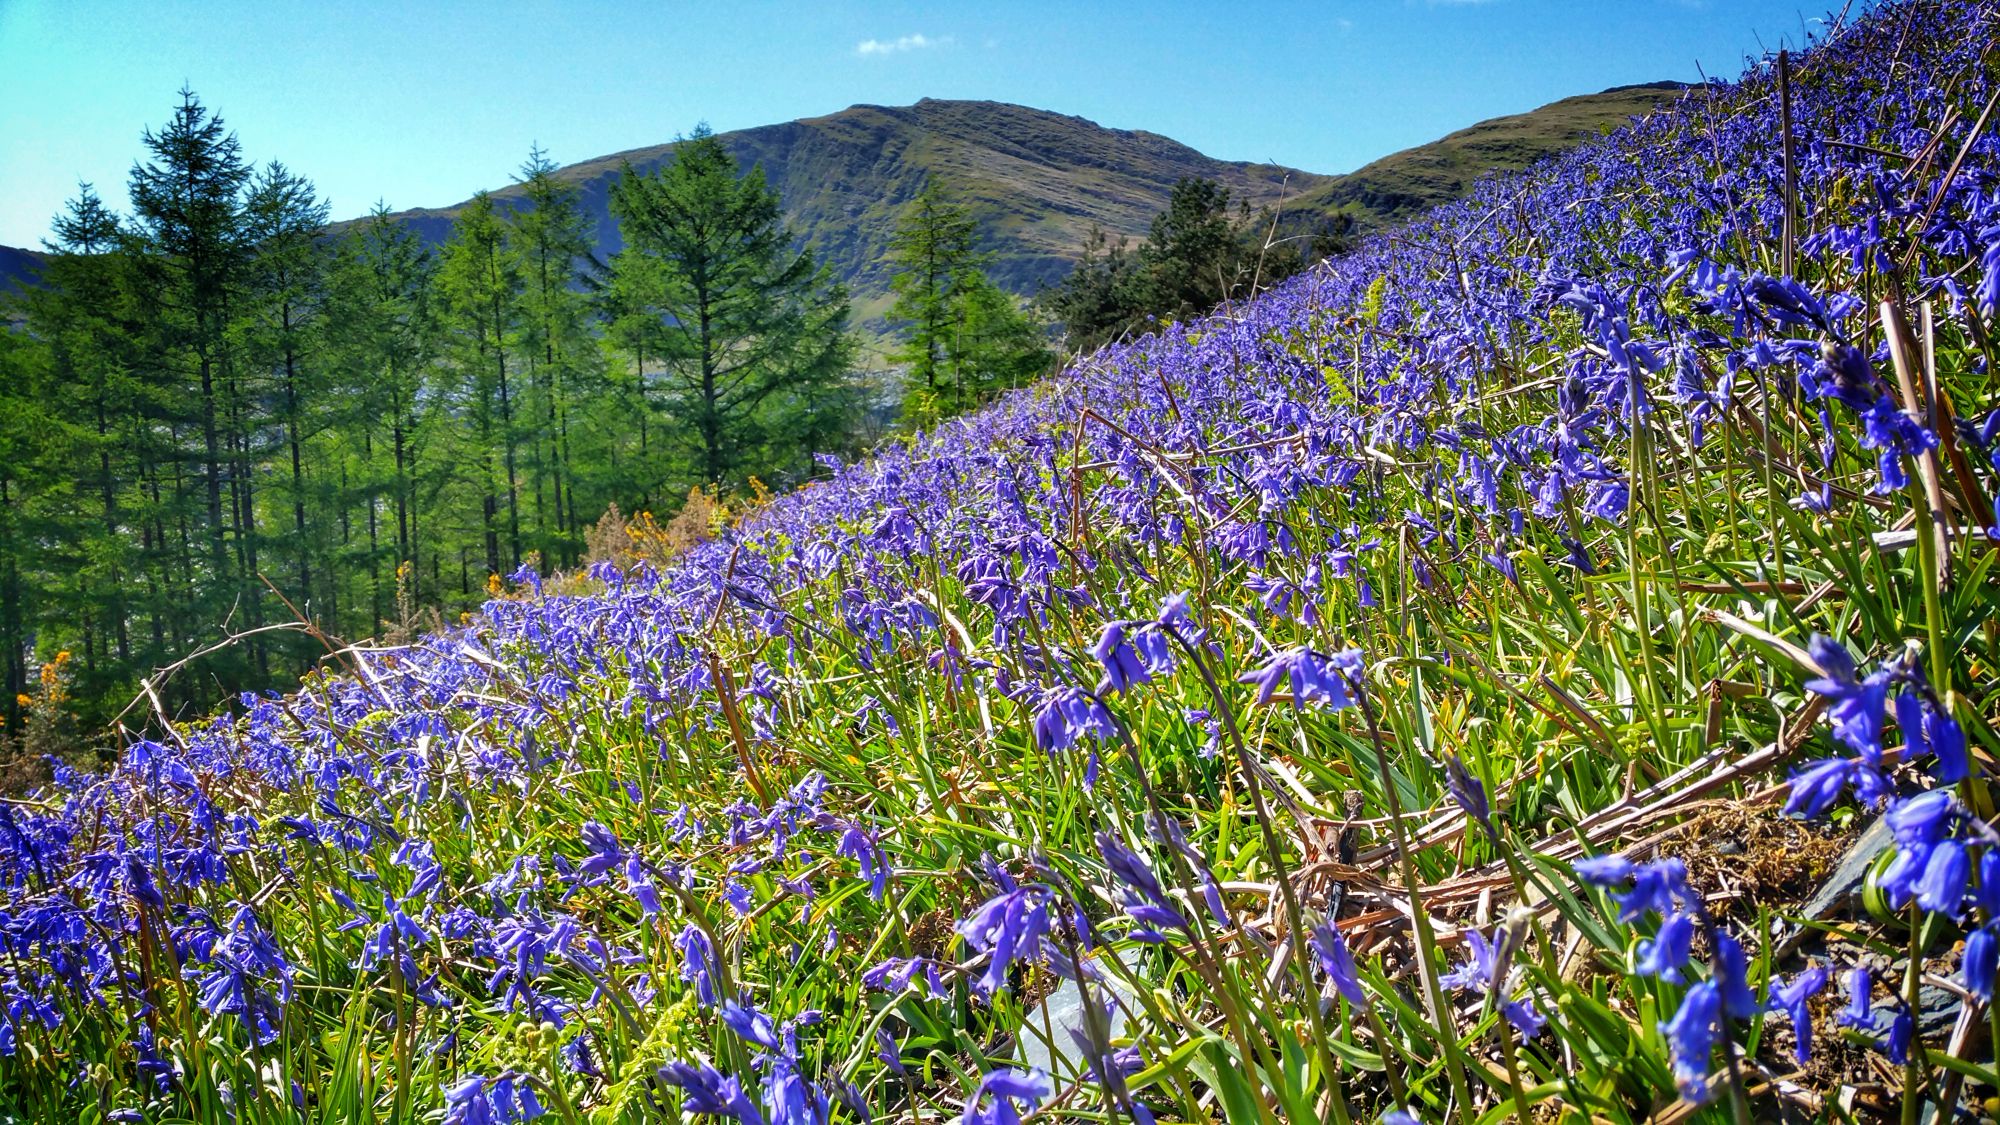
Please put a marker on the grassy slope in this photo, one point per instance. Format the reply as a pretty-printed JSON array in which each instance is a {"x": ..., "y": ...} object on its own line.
[
  {"x": 1578, "y": 692},
  {"x": 1405, "y": 184}
]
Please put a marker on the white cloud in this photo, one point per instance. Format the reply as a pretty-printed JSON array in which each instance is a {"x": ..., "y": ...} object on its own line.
[{"x": 900, "y": 44}]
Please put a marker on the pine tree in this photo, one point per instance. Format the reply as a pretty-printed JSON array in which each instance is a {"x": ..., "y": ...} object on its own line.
[
  {"x": 287, "y": 297},
  {"x": 935, "y": 259},
  {"x": 387, "y": 338},
  {"x": 958, "y": 323},
  {"x": 758, "y": 328},
  {"x": 480, "y": 289},
  {"x": 549, "y": 237},
  {"x": 190, "y": 250}
]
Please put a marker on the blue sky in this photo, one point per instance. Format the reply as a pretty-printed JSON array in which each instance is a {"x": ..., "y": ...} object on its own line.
[{"x": 421, "y": 104}]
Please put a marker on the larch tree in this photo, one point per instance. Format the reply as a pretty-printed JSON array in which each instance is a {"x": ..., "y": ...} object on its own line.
[{"x": 758, "y": 328}]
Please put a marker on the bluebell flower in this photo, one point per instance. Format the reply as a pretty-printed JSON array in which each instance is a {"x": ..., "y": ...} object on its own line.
[
  {"x": 1859, "y": 1012},
  {"x": 1012, "y": 925},
  {"x": 1477, "y": 970},
  {"x": 1065, "y": 714},
  {"x": 1927, "y": 730},
  {"x": 501, "y": 1101},
  {"x": 865, "y": 849},
  {"x": 1923, "y": 819},
  {"x": 750, "y": 1024},
  {"x": 1656, "y": 886},
  {"x": 1469, "y": 793},
  {"x": 1665, "y": 954},
  {"x": 1691, "y": 1037},
  {"x": 1979, "y": 961},
  {"x": 897, "y": 974},
  {"x": 1122, "y": 667},
  {"x": 1603, "y": 870},
  {"x": 1732, "y": 979},
  {"x": 697, "y": 962},
  {"x": 1522, "y": 1014},
  {"x": 1986, "y": 892},
  {"x": 1941, "y": 890},
  {"x": 1816, "y": 787},
  {"x": 1790, "y": 998},
  {"x": 1314, "y": 678},
  {"x": 704, "y": 1090},
  {"x": 1144, "y": 899},
  {"x": 1004, "y": 1087},
  {"x": 887, "y": 1050},
  {"x": 1857, "y": 704},
  {"x": 1329, "y": 946}
]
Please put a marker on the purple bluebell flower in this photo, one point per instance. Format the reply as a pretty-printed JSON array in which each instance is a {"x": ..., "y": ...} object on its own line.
[
  {"x": 500, "y": 1101},
  {"x": 1816, "y": 787},
  {"x": 1145, "y": 900},
  {"x": 1004, "y": 1087},
  {"x": 1667, "y": 953},
  {"x": 1691, "y": 1037},
  {"x": 704, "y": 1090},
  {"x": 1857, "y": 703},
  {"x": 862, "y": 846},
  {"x": 897, "y": 974},
  {"x": 1012, "y": 926},
  {"x": 697, "y": 962},
  {"x": 750, "y": 1024},
  {"x": 1470, "y": 794},
  {"x": 1329, "y": 946},
  {"x": 1604, "y": 870},
  {"x": 1928, "y": 730},
  {"x": 888, "y": 1051},
  {"x": 1477, "y": 970},
  {"x": 1122, "y": 666},
  {"x": 1979, "y": 961},
  {"x": 1314, "y": 678},
  {"x": 1732, "y": 979},
  {"x": 1065, "y": 714},
  {"x": 1790, "y": 998}
]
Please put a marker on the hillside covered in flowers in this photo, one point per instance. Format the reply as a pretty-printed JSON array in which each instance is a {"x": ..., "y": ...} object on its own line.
[{"x": 1332, "y": 700}]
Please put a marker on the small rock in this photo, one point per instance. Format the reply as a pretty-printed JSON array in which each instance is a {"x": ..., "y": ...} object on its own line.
[
  {"x": 1061, "y": 1012},
  {"x": 1843, "y": 886}
]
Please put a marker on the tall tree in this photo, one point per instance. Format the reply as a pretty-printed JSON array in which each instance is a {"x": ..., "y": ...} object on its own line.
[
  {"x": 956, "y": 322},
  {"x": 935, "y": 258},
  {"x": 481, "y": 287},
  {"x": 284, "y": 217},
  {"x": 757, "y": 325},
  {"x": 191, "y": 251},
  {"x": 549, "y": 235},
  {"x": 386, "y": 342}
]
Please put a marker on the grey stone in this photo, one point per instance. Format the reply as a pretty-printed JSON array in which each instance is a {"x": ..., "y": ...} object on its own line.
[
  {"x": 1062, "y": 1011},
  {"x": 1844, "y": 885}
]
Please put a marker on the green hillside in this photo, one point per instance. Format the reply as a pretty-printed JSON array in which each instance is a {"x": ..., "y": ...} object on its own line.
[{"x": 1406, "y": 184}]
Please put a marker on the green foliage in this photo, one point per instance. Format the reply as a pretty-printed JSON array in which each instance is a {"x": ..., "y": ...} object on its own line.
[
  {"x": 754, "y": 356},
  {"x": 1197, "y": 255},
  {"x": 215, "y": 417},
  {"x": 964, "y": 337}
]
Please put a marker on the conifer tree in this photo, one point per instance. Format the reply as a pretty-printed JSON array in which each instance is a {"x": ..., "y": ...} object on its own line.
[
  {"x": 935, "y": 259},
  {"x": 958, "y": 324},
  {"x": 550, "y": 239},
  {"x": 480, "y": 288},
  {"x": 190, "y": 251},
  {"x": 758, "y": 327}
]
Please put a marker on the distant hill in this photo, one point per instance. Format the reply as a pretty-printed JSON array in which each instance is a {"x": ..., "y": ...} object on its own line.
[
  {"x": 17, "y": 267},
  {"x": 1038, "y": 181},
  {"x": 1406, "y": 184}
]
